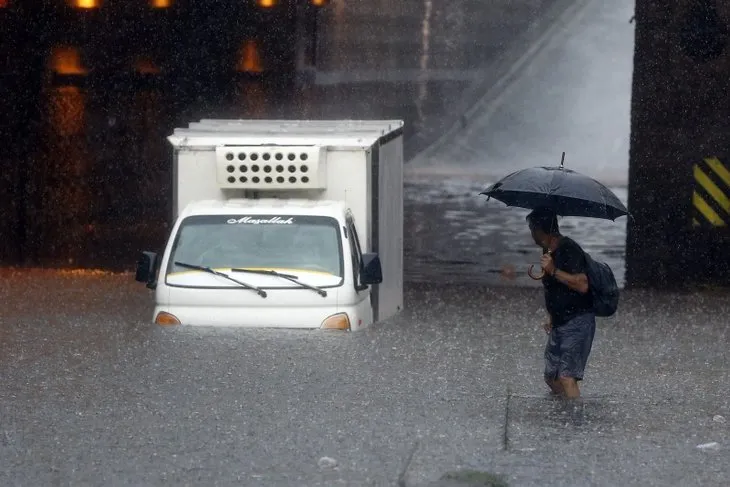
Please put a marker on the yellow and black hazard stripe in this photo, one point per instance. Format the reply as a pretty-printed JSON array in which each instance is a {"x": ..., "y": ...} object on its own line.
[{"x": 711, "y": 196}]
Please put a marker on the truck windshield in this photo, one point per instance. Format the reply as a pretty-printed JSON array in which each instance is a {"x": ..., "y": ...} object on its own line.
[{"x": 274, "y": 242}]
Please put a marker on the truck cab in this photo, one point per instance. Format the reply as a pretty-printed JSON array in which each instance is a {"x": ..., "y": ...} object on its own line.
[{"x": 273, "y": 253}]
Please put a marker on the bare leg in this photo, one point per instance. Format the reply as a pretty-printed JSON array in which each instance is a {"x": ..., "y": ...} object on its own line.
[
  {"x": 570, "y": 387},
  {"x": 556, "y": 387}
]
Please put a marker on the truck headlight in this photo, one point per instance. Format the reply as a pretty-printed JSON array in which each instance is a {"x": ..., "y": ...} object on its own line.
[
  {"x": 166, "y": 319},
  {"x": 339, "y": 321}
]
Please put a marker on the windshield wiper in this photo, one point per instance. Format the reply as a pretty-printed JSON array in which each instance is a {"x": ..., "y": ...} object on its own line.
[
  {"x": 288, "y": 277},
  {"x": 259, "y": 291}
]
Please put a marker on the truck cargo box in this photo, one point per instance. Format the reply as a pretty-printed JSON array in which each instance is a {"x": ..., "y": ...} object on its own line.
[{"x": 357, "y": 162}]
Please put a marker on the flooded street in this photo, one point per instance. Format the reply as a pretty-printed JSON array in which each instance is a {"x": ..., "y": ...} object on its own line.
[
  {"x": 93, "y": 394},
  {"x": 456, "y": 234}
]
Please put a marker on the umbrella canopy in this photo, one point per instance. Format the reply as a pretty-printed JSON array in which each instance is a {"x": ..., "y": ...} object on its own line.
[{"x": 566, "y": 192}]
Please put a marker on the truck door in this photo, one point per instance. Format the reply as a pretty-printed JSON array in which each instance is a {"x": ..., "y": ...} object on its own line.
[{"x": 362, "y": 292}]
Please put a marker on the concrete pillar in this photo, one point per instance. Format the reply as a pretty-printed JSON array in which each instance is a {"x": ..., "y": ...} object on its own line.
[{"x": 680, "y": 117}]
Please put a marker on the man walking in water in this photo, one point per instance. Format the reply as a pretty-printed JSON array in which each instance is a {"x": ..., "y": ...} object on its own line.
[{"x": 572, "y": 322}]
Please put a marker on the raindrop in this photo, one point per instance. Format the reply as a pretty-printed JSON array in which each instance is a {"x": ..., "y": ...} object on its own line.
[{"x": 327, "y": 462}]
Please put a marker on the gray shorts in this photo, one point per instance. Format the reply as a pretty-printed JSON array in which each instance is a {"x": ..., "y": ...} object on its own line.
[{"x": 568, "y": 347}]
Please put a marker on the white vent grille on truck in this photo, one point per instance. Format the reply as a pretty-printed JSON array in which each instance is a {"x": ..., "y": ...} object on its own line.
[{"x": 271, "y": 167}]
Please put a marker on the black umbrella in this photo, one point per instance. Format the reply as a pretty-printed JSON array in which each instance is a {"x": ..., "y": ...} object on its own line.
[{"x": 566, "y": 192}]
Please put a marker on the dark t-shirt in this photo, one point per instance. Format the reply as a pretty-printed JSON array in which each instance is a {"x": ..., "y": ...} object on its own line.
[{"x": 563, "y": 303}]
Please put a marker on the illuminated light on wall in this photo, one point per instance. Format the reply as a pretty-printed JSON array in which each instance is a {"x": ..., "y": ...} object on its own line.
[
  {"x": 266, "y": 3},
  {"x": 145, "y": 65},
  {"x": 161, "y": 3},
  {"x": 67, "y": 111},
  {"x": 4, "y": 3},
  {"x": 249, "y": 59},
  {"x": 319, "y": 3},
  {"x": 86, "y": 4},
  {"x": 66, "y": 60}
]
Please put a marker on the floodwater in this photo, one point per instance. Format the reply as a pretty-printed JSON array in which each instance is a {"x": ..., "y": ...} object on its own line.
[
  {"x": 458, "y": 235},
  {"x": 95, "y": 394}
]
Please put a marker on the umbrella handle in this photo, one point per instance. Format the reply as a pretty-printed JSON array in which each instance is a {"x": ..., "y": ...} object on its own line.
[
  {"x": 537, "y": 278},
  {"x": 542, "y": 274}
]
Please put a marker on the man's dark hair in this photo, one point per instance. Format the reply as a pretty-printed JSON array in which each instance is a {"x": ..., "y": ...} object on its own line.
[{"x": 544, "y": 219}]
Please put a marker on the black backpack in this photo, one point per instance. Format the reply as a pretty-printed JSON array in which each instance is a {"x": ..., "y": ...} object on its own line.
[{"x": 603, "y": 287}]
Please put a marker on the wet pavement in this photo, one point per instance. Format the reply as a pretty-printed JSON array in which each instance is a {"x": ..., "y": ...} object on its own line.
[
  {"x": 570, "y": 91},
  {"x": 93, "y": 394}
]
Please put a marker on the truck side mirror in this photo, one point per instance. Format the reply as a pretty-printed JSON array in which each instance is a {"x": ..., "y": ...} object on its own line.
[
  {"x": 370, "y": 270},
  {"x": 147, "y": 269}
]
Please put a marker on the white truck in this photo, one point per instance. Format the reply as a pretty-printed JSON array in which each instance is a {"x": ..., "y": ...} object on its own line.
[{"x": 289, "y": 224}]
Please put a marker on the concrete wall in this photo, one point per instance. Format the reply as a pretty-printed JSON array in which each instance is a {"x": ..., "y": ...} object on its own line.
[{"x": 680, "y": 116}]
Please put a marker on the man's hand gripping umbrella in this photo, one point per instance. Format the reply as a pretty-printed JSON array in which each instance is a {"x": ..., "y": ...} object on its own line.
[{"x": 543, "y": 263}]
